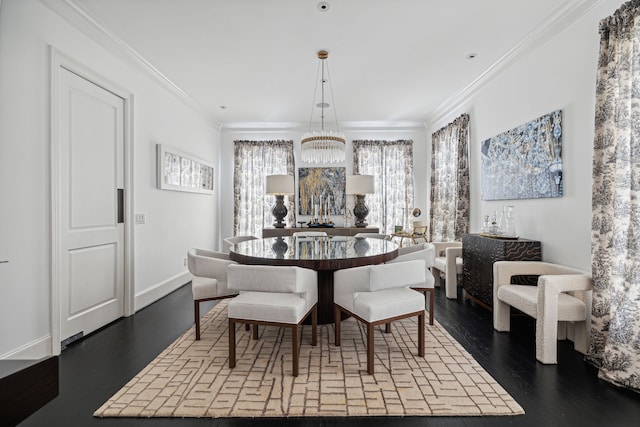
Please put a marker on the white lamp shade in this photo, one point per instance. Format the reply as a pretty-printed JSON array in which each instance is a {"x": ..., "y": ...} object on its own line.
[
  {"x": 360, "y": 184},
  {"x": 280, "y": 184}
]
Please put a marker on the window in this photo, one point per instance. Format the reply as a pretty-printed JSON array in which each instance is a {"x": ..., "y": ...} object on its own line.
[
  {"x": 253, "y": 161},
  {"x": 391, "y": 163}
]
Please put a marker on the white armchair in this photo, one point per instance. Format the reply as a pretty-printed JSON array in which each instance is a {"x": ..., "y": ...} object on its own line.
[
  {"x": 227, "y": 242},
  {"x": 270, "y": 295},
  {"x": 563, "y": 294},
  {"x": 380, "y": 294},
  {"x": 209, "y": 281},
  {"x": 426, "y": 252},
  {"x": 448, "y": 263}
]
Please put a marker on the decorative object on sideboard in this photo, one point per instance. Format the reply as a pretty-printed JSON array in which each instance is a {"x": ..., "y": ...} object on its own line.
[
  {"x": 524, "y": 162},
  {"x": 360, "y": 185},
  {"x": 280, "y": 186},
  {"x": 502, "y": 226},
  {"x": 323, "y": 146}
]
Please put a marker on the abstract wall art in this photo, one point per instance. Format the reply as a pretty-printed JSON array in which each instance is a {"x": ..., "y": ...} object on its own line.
[
  {"x": 524, "y": 162},
  {"x": 321, "y": 186}
]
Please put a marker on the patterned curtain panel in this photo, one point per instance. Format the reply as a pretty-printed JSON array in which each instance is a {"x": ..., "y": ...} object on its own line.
[
  {"x": 253, "y": 161},
  {"x": 450, "y": 210},
  {"x": 391, "y": 163},
  {"x": 615, "y": 235}
]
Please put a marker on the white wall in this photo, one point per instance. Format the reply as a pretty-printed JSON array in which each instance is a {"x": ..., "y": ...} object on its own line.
[
  {"x": 415, "y": 132},
  {"x": 559, "y": 74},
  {"x": 175, "y": 221}
]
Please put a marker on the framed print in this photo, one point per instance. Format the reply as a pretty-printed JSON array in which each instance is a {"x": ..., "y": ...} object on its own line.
[{"x": 179, "y": 171}]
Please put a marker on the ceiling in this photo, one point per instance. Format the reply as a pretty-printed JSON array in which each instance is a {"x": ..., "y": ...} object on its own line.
[{"x": 254, "y": 61}]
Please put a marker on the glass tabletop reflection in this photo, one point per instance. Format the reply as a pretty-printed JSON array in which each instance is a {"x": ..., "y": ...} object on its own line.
[{"x": 314, "y": 248}]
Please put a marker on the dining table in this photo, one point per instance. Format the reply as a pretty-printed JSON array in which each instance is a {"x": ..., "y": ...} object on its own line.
[{"x": 324, "y": 254}]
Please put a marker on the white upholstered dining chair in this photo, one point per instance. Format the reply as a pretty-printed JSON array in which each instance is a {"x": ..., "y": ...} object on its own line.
[
  {"x": 380, "y": 294},
  {"x": 209, "y": 281},
  {"x": 426, "y": 252},
  {"x": 309, "y": 234},
  {"x": 227, "y": 242},
  {"x": 272, "y": 296}
]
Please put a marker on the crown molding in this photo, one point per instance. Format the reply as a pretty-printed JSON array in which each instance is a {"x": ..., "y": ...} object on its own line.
[
  {"x": 353, "y": 126},
  {"x": 555, "y": 23},
  {"x": 78, "y": 16}
]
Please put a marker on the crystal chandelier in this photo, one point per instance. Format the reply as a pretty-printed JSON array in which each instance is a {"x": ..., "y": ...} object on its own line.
[{"x": 323, "y": 146}]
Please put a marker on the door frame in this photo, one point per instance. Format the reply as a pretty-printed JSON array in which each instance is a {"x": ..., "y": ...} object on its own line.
[{"x": 60, "y": 60}]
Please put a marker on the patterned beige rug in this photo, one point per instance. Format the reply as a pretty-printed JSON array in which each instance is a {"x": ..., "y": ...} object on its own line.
[{"x": 193, "y": 379}]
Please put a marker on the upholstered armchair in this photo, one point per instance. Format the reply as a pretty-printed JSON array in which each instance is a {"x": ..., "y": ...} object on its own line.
[
  {"x": 272, "y": 295},
  {"x": 448, "y": 263},
  {"x": 209, "y": 281},
  {"x": 426, "y": 252},
  {"x": 377, "y": 295},
  {"x": 563, "y": 294},
  {"x": 227, "y": 242}
]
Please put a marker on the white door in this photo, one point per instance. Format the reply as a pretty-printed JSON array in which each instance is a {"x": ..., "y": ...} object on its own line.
[{"x": 91, "y": 173}]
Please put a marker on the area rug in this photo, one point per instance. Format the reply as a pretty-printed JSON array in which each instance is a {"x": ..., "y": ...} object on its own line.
[{"x": 192, "y": 378}]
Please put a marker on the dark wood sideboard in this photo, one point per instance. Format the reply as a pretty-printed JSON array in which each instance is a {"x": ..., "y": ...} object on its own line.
[
  {"x": 478, "y": 255},
  {"x": 331, "y": 231}
]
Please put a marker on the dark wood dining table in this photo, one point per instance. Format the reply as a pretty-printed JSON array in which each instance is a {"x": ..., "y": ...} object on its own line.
[{"x": 322, "y": 254}]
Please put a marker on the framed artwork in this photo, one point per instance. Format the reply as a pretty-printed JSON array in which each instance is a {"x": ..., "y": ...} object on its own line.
[
  {"x": 321, "y": 186},
  {"x": 524, "y": 162},
  {"x": 182, "y": 172}
]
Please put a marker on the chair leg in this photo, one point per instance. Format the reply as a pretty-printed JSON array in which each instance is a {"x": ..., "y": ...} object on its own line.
[
  {"x": 370, "y": 331},
  {"x": 314, "y": 326},
  {"x": 421, "y": 334},
  {"x": 247, "y": 327},
  {"x": 336, "y": 319},
  {"x": 196, "y": 311},
  {"x": 294, "y": 353},
  {"x": 387, "y": 328},
  {"x": 255, "y": 331},
  {"x": 232, "y": 344},
  {"x": 432, "y": 294}
]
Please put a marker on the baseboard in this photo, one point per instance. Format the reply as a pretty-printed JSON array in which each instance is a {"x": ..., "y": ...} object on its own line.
[
  {"x": 34, "y": 350},
  {"x": 154, "y": 293}
]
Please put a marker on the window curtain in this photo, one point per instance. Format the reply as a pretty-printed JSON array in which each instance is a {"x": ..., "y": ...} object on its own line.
[
  {"x": 450, "y": 207},
  {"x": 391, "y": 164},
  {"x": 253, "y": 161},
  {"x": 615, "y": 233}
]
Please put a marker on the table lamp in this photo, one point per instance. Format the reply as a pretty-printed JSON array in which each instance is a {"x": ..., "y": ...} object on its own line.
[
  {"x": 279, "y": 186},
  {"x": 359, "y": 185}
]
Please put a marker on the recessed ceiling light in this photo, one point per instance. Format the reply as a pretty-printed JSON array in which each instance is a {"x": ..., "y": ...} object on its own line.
[
  {"x": 323, "y": 6},
  {"x": 223, "y": 107},
  {"x": 472, "y": 55}
]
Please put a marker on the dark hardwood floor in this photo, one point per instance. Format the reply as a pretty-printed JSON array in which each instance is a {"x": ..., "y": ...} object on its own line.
[{"x": 566, "y": 394}]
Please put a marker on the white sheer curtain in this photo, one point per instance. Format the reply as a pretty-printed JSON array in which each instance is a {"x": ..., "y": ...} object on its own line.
[
  {"x": 253, "y": 161},
  {"x": 391, "y": 163},
  {"x": 450, "y": 210}
]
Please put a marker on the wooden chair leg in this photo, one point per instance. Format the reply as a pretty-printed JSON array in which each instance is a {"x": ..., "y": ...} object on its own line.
[
  {"x": 336, "y": 319},
  {"x": 255, "y": 331},
  {"x": 421, "y": 334},
  {"x": 232, "y": 344},
  {"x": 432, "y": 294},
  {"x": 314, "y": 326},
  {"x": 196, "y": 311},
  {"x": 294, "y": 353},
  {"x": 247, "y": 326},
  {"x": 387, "y": 328},
  {"x": 370, "y": 331}
]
